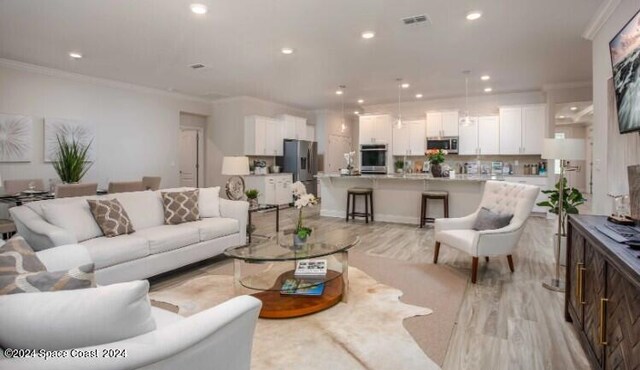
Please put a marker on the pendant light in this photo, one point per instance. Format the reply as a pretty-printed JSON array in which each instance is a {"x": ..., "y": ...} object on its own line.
[
  {"x": 343, "y": 127},
  {"x": 399, "y": 122},
  {"x": 465, "y": 121}
]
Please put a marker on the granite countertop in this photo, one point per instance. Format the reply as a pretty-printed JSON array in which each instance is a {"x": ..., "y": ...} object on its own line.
[
  {"x": 414, "y": 177},
  {"x": 271, "y": 174}
]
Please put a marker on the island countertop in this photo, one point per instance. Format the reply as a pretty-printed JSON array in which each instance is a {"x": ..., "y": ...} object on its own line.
[{"x": 413, "y": 177}]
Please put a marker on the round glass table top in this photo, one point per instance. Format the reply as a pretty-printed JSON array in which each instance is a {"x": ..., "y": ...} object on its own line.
[{"x": 281, "y": 247}]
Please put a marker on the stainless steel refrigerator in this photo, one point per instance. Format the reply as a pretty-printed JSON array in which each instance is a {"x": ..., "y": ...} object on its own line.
[{"x": 301, "y": 159}]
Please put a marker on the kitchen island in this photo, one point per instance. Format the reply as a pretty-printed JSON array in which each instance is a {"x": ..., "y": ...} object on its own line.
[{"x": 396, "y": 198}]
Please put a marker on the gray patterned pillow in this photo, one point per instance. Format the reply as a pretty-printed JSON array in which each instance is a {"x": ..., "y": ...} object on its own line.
[
  {"x": 180, "y": 206},
  {"x": 111, "y": 217},
  {"x": 17, "y": 257},
  {"x": 44, "y": 281},
  {"x": 488, "y": 220}
]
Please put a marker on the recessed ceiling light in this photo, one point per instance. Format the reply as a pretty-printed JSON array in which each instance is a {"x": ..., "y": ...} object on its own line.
[
  {"x": 488, "y": 89},
  {"x": 368, "y": 35},
  {"x": 405, "y": 85},
  {"x": 360, "y": 101},
  {"x": 473, "y": 15},
  {"x": 75, "y": 55},
  {"x": 418, "y": 96},
  {"x": 574, "y": 108},
  {"x": 339, "y": 92},
  {"x": 561, "y": 117},
  {"x": 356, "y": 112},
  {"x": 485, "y": 78},
  {"x": 199, "y": 8},
  {"x": 287, "y": 51}
]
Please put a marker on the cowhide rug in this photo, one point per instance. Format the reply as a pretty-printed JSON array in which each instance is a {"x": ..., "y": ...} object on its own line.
[{"x": 364, "y": 333}]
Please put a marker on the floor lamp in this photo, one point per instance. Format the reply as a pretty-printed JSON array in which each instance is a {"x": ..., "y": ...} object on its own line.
[
  {"x": 236, "y": 167},
  {"x": 564, "y": 150}
]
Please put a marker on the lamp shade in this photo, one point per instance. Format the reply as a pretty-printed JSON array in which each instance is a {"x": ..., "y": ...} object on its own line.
[
  {"x": 567, "y": 149},
  {"x": 235, "y": 166}
]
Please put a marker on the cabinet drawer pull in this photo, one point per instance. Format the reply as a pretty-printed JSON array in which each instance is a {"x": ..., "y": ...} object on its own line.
[
  {"x": 603, "y": 339},
  {"x": 581, "y": 271}
]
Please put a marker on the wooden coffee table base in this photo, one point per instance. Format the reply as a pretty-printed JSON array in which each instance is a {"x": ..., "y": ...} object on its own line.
[{"x": 280, "y": 306}]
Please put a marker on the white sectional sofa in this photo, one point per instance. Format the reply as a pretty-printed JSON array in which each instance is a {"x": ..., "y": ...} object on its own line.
[{"x": 65, "y": 229}]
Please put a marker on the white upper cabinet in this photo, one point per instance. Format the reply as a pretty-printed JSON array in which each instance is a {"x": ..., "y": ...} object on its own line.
[
  {"x": 468, "y": 138},
  {"x": 293, "y": 127},
  {"x": 488, "y": 135},
  {"x": 440, "y": 124},
  {"x": 534, "y": 121},
  {"x": 262, "y": 136},
  {"x": 375, "y": 130},
  {"x": 410, "y": 139},
  {"x": 510, "y": 130},
  {"x": 522, "y": 129}
]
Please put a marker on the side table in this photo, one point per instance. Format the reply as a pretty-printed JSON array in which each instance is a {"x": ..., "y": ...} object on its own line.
[{"x": 262, "y": 207}]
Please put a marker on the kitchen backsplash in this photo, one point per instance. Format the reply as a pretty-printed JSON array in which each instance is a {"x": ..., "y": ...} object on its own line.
[{"x": 519, "y": 163}]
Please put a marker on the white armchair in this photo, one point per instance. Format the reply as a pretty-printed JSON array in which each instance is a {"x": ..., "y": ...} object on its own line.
[{"x": 501, "y": 198}]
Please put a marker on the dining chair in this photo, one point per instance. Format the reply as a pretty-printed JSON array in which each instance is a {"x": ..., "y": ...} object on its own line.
[
  {"x": 151, "y": 182},
  {"x": 125, "y": 186},
  {"x": 76, "y": 190},
  {"x": 16, "y": 186}
]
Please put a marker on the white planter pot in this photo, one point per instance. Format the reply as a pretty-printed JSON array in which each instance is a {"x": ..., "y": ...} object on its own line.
[{"x": 563, "y": 248}]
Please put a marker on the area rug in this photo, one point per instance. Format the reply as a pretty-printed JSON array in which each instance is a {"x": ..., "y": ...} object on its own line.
[{"x": 365, "y": 333}]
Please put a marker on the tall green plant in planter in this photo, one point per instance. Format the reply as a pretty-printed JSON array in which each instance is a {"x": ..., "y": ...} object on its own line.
[
  {"x": 571, "y": 199},
  {"x": 71, "y": 161}
]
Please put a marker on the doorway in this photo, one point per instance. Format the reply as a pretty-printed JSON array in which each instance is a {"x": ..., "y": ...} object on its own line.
[{"x": 192, "y": 149}]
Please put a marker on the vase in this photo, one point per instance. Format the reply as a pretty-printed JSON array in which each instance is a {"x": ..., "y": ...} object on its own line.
[
  {"x": 436, "y": 170},
  {"x": 298, "y": 241}
]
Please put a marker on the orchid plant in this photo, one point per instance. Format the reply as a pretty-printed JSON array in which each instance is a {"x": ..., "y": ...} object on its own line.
[
  {"x": 302, "y": 200},
  {"x": 349, "y": 158}
]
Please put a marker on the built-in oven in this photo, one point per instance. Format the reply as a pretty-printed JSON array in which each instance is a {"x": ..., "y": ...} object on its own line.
[
  {"x": 450, "y": 144},
  {"x": 373, "y": 158}
]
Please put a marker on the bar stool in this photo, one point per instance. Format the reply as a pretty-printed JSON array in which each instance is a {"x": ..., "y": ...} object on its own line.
[
  {"x": 351, "y": 199},
  {"x": 426, "y": 195}
]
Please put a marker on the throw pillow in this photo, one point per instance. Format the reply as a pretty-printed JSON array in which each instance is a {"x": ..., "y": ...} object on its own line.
[
  {"x": 180, "y": 207},
  {"x": 209, "y": 202},
  {"x": 17, "y": 257},
  {"x": 74, "y": 216},
  {"x": 111, "y": 217},
  {"x": 76, "y": 318},
  {"x": 77, "y": 278},
  {"x": 488, "y": 220}
]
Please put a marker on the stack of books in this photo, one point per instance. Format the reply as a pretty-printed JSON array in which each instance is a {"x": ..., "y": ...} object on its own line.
[
  {"x": 308, "y": 279},
  {"x": 302, "y": 287},
  {"x": 311, "y": 269}
]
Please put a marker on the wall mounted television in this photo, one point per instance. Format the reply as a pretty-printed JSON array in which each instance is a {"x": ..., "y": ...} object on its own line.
[{"x": 625, "y": 59}]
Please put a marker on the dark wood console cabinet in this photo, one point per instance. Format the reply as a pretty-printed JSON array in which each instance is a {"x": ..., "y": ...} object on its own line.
[{"x": 603, "y": 295}]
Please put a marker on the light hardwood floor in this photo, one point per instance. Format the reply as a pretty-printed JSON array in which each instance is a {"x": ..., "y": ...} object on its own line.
[{"x": 506, "y": 321}]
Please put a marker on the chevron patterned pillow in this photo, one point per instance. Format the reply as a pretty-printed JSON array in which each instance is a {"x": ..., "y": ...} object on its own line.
[
  {"x": 44, "y": 281},
  {"x": 17, "y": 257},
  {"x": 111, "y": 217},
  {"x": 180, "y": 206}
]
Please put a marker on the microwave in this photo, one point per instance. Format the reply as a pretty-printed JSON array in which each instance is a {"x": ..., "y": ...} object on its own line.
[{"x": 450, "y": 144}]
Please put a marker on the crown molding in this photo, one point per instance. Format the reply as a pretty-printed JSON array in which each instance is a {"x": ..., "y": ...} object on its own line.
[
  {"x": 599, "y": 18},
  {"x": 21, "y": 66},
  {"x": 566, "y": 85}
]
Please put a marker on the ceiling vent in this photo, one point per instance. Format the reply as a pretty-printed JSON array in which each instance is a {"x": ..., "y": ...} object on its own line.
[
  {"x": 418, "y": 19},
  {"x": 197, "y": 66}
]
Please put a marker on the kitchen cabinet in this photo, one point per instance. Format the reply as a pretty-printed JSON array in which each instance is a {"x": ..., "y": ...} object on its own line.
[
  {"x": 481, "y": 136},
  {"x": 522, "y": 129},
  {"x": 468, "y": 138},
  {"x": 293, "y": 127},
  {"x": 442, "y": 124},
  {"x": 375, "y": 129},
  {"x": 410, "y": 139},
  {"x": 602, "y": 295},
  {"x": 274, "y": 189},
  {"x": 262, "y": 136}
]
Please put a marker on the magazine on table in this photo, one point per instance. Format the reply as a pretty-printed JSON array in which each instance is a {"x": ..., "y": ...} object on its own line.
[
  {"x": 311, "y": 268},
  {"x": 301, "y": 287}
]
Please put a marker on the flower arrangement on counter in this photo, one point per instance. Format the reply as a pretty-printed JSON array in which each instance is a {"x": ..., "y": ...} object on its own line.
[
  {"x": 302, "y": 200},
  {"x": 436, "y": 156}
]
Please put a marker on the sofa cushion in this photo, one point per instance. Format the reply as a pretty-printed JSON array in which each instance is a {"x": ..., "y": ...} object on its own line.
[
  {"x": 143, "y": 207},
  {"x": 216, "y": 227},
  {"x": 107, "y": 252},
  {"x": 17, "y": 257},
  {"x": 73, "y": 216},
  {"x": 76, "y": 318},
  {"x": 44, "y": 281},
  {"x": 461, "y": 239},
  {"x": 111, "y": 217},
  {"x": 168, "y": 237},
  {"x": 180, "y": 207},
  {"x": 209, "y": 202}
]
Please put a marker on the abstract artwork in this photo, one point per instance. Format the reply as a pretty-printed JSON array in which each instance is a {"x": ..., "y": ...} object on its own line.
[
  {"x": 71, "y": 130},
  {"x": 15, "y": 138}
]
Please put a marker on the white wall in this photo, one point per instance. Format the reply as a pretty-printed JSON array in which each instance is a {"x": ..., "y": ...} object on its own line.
[
  {"x": 137, "y": 128},
  {"x": 329, "y": 123},
  {"x": 602, "y": 204}
]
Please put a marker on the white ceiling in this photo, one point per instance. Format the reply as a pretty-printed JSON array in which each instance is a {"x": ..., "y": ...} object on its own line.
[
  {"x": 522, "y": 44},
  {"x": 576, "y": 113}
]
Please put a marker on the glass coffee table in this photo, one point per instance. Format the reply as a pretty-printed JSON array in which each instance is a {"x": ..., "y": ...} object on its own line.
[{"x": 261, "y": 268}]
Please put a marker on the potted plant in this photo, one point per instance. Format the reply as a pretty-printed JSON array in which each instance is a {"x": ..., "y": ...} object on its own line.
[
  {"x": 252, "y": 196},
  {"x": 399, "y": 166},
  {"x": 571, "y": 199},
  {"x": 301, "y": 233},
  {"x": 71, "y": 160},
  {"x": 436, "y": 158}
]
